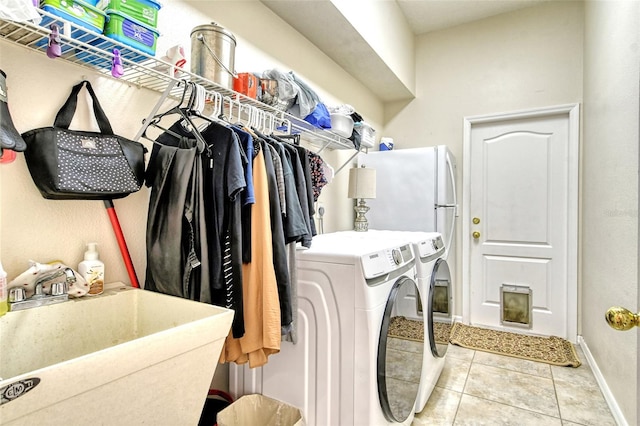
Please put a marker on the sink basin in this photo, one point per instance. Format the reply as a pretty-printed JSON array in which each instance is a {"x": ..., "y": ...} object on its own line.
[{"x": 126, "y": 357}]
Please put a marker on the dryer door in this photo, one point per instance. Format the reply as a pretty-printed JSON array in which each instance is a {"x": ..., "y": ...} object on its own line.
[
  {"x": 400, "y": 357},
  {"x": 439, "y": 315}
]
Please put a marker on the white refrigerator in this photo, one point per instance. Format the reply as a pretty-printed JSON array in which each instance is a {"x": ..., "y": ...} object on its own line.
[{"x": 415, "y": 191}]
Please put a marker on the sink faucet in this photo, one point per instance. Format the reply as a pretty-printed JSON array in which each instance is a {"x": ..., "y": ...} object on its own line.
[{"x": 59, "y": 292}]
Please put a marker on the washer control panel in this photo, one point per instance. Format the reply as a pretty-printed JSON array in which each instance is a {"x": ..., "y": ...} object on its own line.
[
  {"x": 385, "y": 261},
  {"x": 430, "y": 247}
]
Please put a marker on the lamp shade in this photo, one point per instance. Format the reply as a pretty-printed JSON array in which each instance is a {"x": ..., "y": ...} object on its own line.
[{"x": 362, "y": 183}]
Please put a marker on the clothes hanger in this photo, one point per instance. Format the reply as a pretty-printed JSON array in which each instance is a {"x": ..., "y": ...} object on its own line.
[
  {"x": 269, "y": 139},
  {"x": 244, "y": 116},
  {"x": 155, "y": 120},
  {"x": 156, "y": 125},
  {"x": 197, "y": 105},
  {"x": 226, "y": 101},
  {"x": 288, "y": 135},
  {"x": 187, "y": 123},
  {"x": 248, "y": 127},
  {"x": 287, "y": 125},
  {"x": 269, "y": 123},
  {"x": 189, "y": 126},
  {"x": 198, "y": 100},
  {"x": 174, "y": 109},
  {"x": 216, "y": 102},
  {"x": 272, "y": 124},
  {"x": 260, "y": 120}
]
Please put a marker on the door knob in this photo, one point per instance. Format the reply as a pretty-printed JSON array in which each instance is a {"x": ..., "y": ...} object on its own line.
[
  {"x": 622, "y": 319},
  {"x": 476, "y": 234},
  {"x": 476, "y": 220}
]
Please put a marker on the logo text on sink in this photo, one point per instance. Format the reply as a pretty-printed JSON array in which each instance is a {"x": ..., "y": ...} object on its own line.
[{"x": 17, "y": 389}]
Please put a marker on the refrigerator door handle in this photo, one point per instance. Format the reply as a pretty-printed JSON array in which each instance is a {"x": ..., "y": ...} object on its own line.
[
  {"x": 452, "y": 176},
  {"x": 454, "y": 205},
  {"x": 448, "y": 206}
]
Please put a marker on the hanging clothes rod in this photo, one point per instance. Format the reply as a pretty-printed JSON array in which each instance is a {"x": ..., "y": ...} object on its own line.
[
  {"x": 232, "y": 110},
  {"x": 222, "y": 106}
]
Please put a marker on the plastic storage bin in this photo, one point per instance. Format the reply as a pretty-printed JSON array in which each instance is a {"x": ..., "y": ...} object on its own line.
[
  {"x": 145, "y": 11},
  {"x": 135, "y": 35},
  {"x": 367, "y": 134},
  {"x": 131, "y": 32},
  {"x": 86, "y": 19},
  {"x": 78, "y": 12},
  {"x": 341, "y": 124}
]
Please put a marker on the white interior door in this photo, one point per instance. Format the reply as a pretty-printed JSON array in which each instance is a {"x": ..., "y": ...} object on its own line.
[{"x": 520, "y": 222}]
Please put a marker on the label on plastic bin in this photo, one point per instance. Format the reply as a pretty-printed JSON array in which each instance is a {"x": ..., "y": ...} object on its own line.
[
  {"x": 75, "y": 9},
  {"x": 138, "y": 33},
  {"x": 149, "y": 13}
]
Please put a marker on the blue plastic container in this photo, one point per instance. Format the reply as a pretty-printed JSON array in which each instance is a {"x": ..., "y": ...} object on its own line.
[
  {"x": 77, "y": 12},
  {"x": 86, "y": 19},
  {"x": 136, "y": 36},
  {"x": 145, "y": 11},
  {"x": 131, "y": 32}
]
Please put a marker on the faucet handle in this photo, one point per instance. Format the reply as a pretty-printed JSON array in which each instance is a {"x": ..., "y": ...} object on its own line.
[
  {"x": 58, "y": 289},
  {"x": 17, "y": 294},
  {"x": 38, "y": 290}
]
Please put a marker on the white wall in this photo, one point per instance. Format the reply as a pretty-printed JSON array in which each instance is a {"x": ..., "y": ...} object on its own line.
[
  {"x": 384, "y": 27},
  {"x": 525, "y": 59},
  {"x": 44, "y": 230},
  {"x": 610, "y": 191}
]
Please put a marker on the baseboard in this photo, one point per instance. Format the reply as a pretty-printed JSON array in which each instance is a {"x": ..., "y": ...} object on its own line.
[{"x": 602, "y": 383}]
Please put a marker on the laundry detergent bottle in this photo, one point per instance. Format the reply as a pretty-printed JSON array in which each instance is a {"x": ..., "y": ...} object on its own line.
[{"x": 92, "y": 270}]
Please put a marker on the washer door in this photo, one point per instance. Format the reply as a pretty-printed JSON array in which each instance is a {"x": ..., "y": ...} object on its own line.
[
  {"x": 399, "y": 359},
  {"x": 439, "y": 316}
]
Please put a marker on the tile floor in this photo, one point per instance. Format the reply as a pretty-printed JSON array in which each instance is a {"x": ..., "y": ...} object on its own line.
[{"x": 479, "y": 388}]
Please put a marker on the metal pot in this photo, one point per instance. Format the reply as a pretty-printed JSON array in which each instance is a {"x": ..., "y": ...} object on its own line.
[{"x": 213, "y": 54}]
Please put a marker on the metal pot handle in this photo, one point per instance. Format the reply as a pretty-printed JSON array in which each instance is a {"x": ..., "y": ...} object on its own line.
[{"x": 200, "y": 37}]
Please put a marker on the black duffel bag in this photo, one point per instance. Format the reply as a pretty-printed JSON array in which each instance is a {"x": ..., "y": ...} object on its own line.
[{"x": 77, "y": 165}]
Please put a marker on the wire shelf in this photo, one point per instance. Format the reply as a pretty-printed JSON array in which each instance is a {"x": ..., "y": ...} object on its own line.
[{"x": 94, "y": 51}]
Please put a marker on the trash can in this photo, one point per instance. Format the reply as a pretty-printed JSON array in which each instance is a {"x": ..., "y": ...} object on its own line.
[{"x": 260, "y": 410}]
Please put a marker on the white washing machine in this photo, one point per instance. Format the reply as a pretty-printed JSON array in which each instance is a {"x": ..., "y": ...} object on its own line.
[
  {"x": 344, "y": 368},
  {"x": 436, "y": 293}
]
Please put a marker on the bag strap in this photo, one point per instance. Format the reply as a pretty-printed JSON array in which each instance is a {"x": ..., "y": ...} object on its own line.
[{"x": 65, "y": 115}]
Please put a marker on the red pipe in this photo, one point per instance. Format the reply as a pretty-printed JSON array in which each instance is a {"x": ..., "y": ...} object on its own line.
[{"x": 115, "y": 223}]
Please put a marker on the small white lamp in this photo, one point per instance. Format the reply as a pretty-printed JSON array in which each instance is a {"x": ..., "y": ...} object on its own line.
[{"x": 362, "y": 185}]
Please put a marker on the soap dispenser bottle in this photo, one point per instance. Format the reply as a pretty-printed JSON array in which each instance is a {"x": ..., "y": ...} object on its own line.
[
  {"x": 4, "y": 295},
  {"x": 92, "y": 270}
]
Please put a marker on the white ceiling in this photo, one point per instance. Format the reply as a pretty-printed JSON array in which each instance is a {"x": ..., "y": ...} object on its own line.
[
  {"x": 424, "y": 16},
  {"x": 322, "y": 24}
]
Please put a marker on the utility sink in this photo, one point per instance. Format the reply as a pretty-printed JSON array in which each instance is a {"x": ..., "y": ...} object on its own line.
[{"x": 126, "y": 357}]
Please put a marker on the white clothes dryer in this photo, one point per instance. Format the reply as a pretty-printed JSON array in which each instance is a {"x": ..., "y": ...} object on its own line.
[
  {"x": 433, "y": 308},
  {"x": 345, "y": 369}
]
